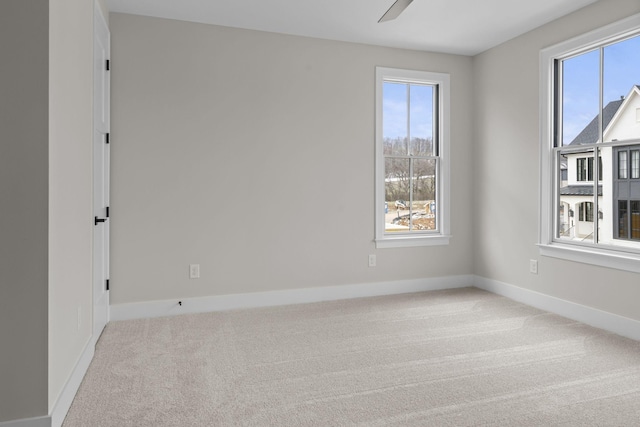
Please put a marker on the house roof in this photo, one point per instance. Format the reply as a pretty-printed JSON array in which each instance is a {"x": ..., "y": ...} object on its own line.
[
  {"x": 579, "y": 190},
  {"x": 589, "y": 135}
]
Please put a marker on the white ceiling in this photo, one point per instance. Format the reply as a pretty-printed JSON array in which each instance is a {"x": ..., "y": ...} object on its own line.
[{"x": 464, "y": 27}]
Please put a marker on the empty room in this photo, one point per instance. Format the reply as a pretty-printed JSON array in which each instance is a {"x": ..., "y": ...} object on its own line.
[{"x": 319, "y": 213}]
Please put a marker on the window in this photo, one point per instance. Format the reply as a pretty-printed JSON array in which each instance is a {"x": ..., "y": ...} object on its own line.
[
  {"x": 586, "y": 212},
  {"x": 589, "y": 98},
  {"x": 622, "y": 165},
  {"x": 629, "y": 225},
  {"x": 412, "y": 158},
  {"x": 628, "y": 169},
  {"x": 584, "y": 169},
  {"x": 623, "y": 220}
]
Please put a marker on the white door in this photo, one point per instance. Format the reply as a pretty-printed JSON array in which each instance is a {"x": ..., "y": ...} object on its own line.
[{"x": 100, "y": 173}]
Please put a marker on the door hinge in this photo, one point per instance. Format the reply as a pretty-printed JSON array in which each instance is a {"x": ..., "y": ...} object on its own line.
[
  {"x": 108, "y": 65},
  {"x": 107, "y": 211},
  {"x": 107, "y": 138},
  {"x": 107, "y": 284}
]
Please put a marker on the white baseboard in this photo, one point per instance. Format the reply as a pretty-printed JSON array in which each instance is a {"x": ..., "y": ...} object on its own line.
[
  {"x": 68, "y": 393},
  {"x": 620, "y": 325},
  {"x": 284, "y": 297},
  {"x": 65, "y": 399},
  {"x": 611, "y": 322}
]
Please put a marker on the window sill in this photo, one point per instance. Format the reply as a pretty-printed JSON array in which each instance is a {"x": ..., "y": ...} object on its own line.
[
  {"x": 601, "y": 257},
  {"x": 412, "y": 241}
]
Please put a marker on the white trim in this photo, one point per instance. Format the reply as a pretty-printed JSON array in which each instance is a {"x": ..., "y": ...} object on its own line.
[
  {"x": 283, "y": 297},
  {"x": 625, "y": 261},
  {"x": 28, "y": 422},
  {"x": 65, "y": 399},
  {"x": 412, "y": 241},
  {"x": 68, "y": 393},
  {"x": 587, "y": 41},
  {"x": 591, "y": 316},
  {"x": 596, "y": 254},
  {"x": 443, "y": 184}
]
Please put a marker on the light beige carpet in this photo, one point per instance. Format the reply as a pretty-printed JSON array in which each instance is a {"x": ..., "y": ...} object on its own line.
[{"x": 457, "y": 357}]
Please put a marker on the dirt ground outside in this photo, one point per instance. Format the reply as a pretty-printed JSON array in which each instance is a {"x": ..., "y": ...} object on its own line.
[{"x": 423, "y": 218}]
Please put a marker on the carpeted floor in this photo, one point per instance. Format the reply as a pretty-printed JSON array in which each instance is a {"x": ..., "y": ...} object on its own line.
[{"x": 460, "y": 357}]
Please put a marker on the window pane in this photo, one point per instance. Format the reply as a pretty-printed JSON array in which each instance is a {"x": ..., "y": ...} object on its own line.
[
  {"x": 397, "y": 179},
  {"x": 397, "y": 185},
  {"x": 424, "y": 195},
  {"x": 395, "y": 118},
  {"x": 580, "y": 98},
  {"x": 600, "y": 172},
  {"x": 421, "y": 120},
  {"x": 581, "y": 169},
  {"x": 622, "y": 165},
  {"x": 563, "y": 173},
  {"x": 635, "y": 219},
  {"x": 410, "y": 195},
  {"x": 585, "y": 212},
  {"x": 584, "y": 223},
  {"x": 621, "y": 74},
  {"x": 623, "y": 220},
  {"x": 635, "y": 164}
]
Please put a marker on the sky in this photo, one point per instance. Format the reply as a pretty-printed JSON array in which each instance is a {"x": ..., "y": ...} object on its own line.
[
  {"x": 581, "y": 88},
  {"x": 580, "y": 100},
  {"x": 394, "y": 110}
]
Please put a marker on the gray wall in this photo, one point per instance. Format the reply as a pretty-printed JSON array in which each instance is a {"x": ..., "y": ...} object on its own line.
[
  {"x": 24, "y": 74},
  {"x": 252, "y": 154},
  {"x": 506, "y": 175}
]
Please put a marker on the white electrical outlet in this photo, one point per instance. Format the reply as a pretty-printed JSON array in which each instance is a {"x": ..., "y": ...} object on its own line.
[
  {"x": 372, "y": 260},
  {"x": 194, "y": 271},
  {"x": 533, "y": 266}
]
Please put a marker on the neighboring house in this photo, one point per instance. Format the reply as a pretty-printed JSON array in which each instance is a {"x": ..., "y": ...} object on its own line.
[{"x": 618, "y": 203}]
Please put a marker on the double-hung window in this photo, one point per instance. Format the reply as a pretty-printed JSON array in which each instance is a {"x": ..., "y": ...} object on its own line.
[
  {"x": 589, "y": 103},
  {"x": 412, "y": 158}
]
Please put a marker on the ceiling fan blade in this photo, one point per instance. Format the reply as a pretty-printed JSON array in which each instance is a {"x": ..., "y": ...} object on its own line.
[{"x": 395, "y": 10}]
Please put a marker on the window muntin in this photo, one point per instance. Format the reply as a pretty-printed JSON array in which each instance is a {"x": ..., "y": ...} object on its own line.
[
  {"x": 569, "y": 70},
  {"x": 411, "y": 158}
]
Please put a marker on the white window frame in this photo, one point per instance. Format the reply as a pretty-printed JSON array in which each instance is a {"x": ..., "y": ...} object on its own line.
[
  {"x": 618, "y": 258},
  {"x": 443, "y": 234}
]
